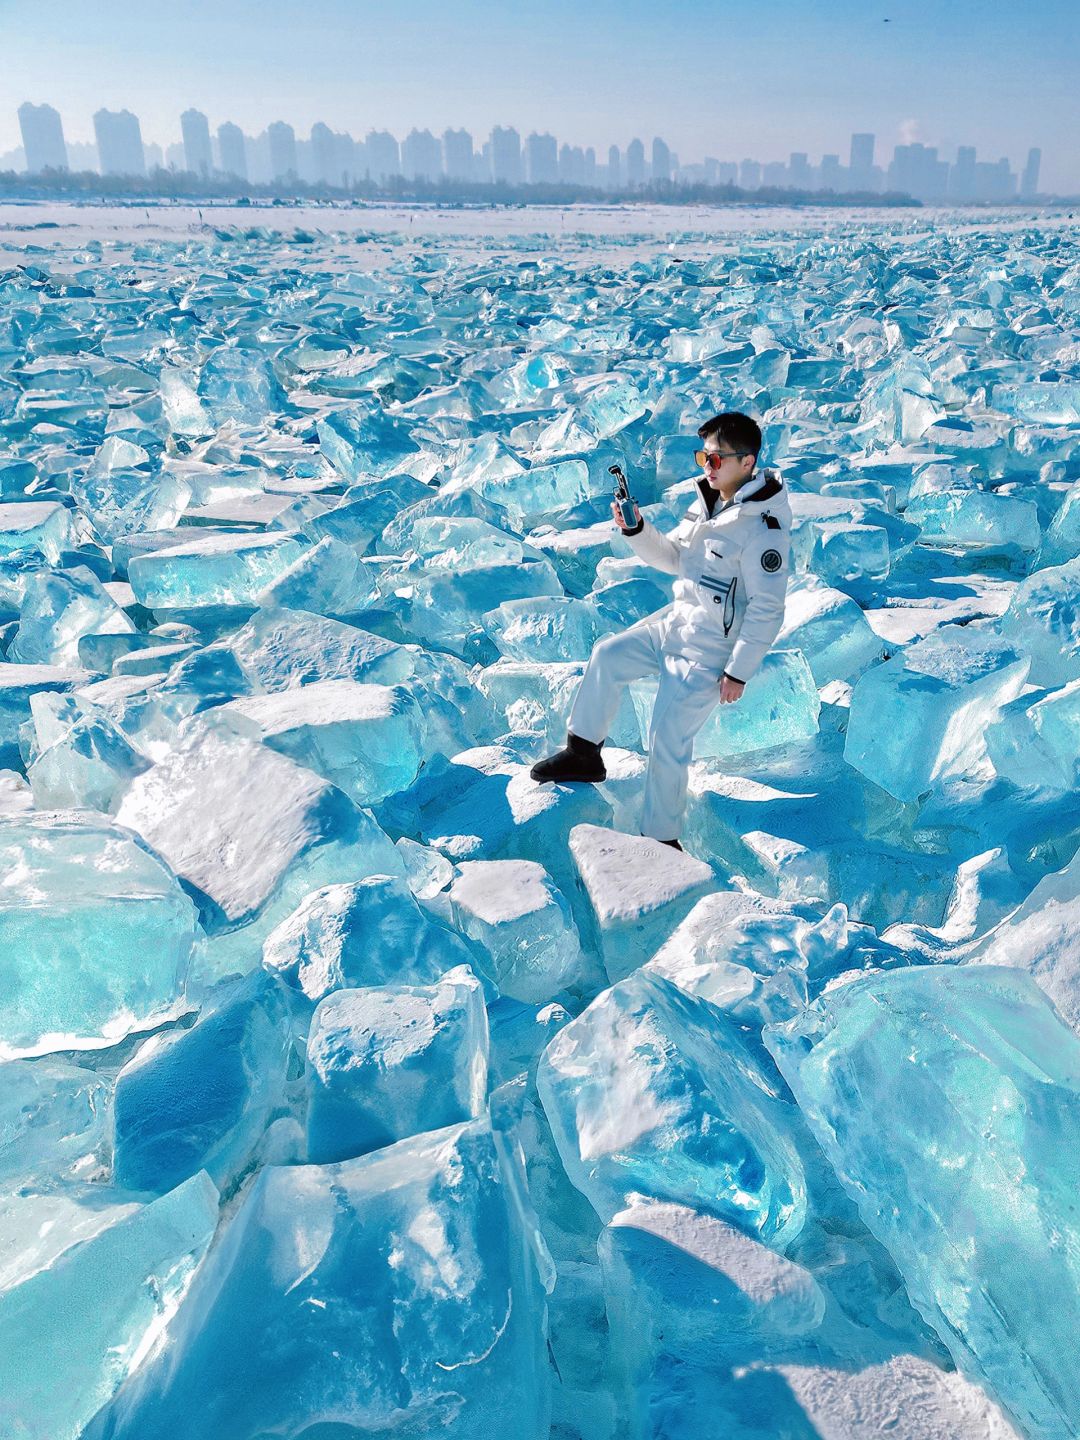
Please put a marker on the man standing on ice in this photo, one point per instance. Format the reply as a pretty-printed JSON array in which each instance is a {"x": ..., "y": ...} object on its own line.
[{"x": 731, "y": 556}]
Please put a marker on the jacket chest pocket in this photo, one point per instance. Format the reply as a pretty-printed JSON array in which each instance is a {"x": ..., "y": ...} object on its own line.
[{"x": 719, "y": 579}]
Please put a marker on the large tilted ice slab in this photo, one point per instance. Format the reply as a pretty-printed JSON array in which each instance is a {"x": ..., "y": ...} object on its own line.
[
  {"x": 216, "y": 570},
  {"x": 86, "y": 1278},
  {"x": 921, "y": 717},
  {"x": 250, "y": 831},
  {"x": 653, "y": 1092},
  {"x": 399, "y": 1293},
  {"x": 637, "y": 890},
  {"x": 96, "y": 936},
  {"x": 947, "y": 1102}
]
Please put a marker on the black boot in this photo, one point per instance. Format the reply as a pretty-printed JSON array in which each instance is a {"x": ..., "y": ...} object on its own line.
[{"x": 580, "y": 760}]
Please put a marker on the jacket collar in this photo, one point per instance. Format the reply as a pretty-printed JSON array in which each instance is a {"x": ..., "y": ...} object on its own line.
[{"x": 757, "y": 488}]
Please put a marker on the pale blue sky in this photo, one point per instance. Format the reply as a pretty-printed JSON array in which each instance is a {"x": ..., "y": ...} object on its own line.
[{"x": 721, "y": 79}]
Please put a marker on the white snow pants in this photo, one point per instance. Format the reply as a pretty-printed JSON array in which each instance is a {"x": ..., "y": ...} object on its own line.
[{"x": 687, "y": 693}]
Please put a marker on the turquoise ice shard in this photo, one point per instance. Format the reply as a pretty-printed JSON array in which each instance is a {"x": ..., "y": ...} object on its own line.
[
  {"x": 516, "y": 914},
  {"x": 831, "y": 631},
  {"x": 975, "y": 520},
  {"x": 92, "y": 1275},
  {"x": 330, "y": 579},
  {"x": 360, "y": 445},
  {"x": 96, "y": 935},
  {"x": 402, "y": 1291},
  {"x": 183, "y": 410},
  {"x": 228, "y": 569},
  {"x": 366, "y": 932},
  {"x": 249, "y": 831},
  {"x": 387, "y": 1062},
  {"x": 544, "y": 628},
  {"x": 199, "y": 1099},
  {"x": 369, "y": 740},
  {"x": 539, "y": 490},
  {"x": 18, "y": 686},
  {"x": 53, "y": 1122},
  {"x": 240, "y": 385},
  {"x": 1043, "y": 619},
  {"x": 60, "y": 607},
  {"x": 653, "y": 1092},
  {"x": 939, "y": 695},
  {"x": 1037, "y": 739},
  {"x": 973, "y": 1188}
]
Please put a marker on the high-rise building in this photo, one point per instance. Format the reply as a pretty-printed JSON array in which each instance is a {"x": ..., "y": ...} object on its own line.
[
  {"x": 750, "y": 175},
  {"x": 119, "y": 143},
  {"x": 506, "y": 155},
  {"x": 614, "y": 168},
  {"x": 195, "y": 129},
  {"x": 43, "y": 138},
  {"x": 233, "y": 150},
  {"x": 774, "y": 175},
  {"x": 283, "y": 159},
  {"x": 800, "y": 176},
  {"x": 962, "y": 174},
  {"x": 324, "y": 158},
  {"x": 1029, "y": 182},
  {"x": 590, "y": 165},
  {"x": 831, "y": 174},
  {"x": 727, "y": 173},
  {"x": 175, "y": 158},
  {"x": 635, "y": 164},
  {"x": 457, "y": 156},
  {"x": 571, "y": 165},
  {"x": 661, "y": 161},
  {"x": 861, "y": 162},
  {"x": 421, "y": 156},
  {"x": 383, "y": 158},
  {"x": 541, "y": 159},
  {"x": 154, "y": 155}
]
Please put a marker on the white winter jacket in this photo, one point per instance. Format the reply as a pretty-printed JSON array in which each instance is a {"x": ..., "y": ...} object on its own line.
[{"x": 732, "y": 570}]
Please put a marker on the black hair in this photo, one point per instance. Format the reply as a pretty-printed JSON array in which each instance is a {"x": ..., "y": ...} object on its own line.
[{"x": 740, "y": 432}]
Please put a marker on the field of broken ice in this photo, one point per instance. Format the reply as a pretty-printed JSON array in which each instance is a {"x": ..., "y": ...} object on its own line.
[{"x": 352, "y": 1084}]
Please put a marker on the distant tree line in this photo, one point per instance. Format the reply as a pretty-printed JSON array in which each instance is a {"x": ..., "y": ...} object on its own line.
[{"x": 161, "y": 184}]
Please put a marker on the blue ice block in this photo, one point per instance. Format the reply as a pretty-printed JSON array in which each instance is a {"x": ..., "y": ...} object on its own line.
[
  {"x": 948, "y": 1102},
  {"x": 390, "y": 1061},
  {"x": 400, "y": 1291}
]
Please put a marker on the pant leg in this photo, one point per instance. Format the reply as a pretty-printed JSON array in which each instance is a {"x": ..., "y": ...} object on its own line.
[
  {"x": 615, "y": 660},
  {"x": 685, "y": 698}
]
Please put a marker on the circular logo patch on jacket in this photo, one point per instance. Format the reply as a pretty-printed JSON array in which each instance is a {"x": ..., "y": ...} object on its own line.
[{"x": 771, "y": 560}]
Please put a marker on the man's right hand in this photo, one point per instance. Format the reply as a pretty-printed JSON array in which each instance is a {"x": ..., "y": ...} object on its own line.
[{"x": 616, "y": 514}]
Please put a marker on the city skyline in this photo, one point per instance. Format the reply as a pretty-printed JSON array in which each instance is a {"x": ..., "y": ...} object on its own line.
[
  {"x": 340, "y": 160},
  {"x": 784, "y": 78}
]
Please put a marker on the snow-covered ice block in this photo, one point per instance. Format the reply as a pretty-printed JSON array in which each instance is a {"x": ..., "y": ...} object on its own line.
[
  {"x": 653, "y": 1092},
  {"x": 638, "y": 892},
  {"x": 366, "y": 932},
  {"x": 199, "y": 1099},
  {"x": 403, "y": 1288},
  {"x": 830, "y": 630},
  {"x": 514, "y": 911},
  {"x": 387, "y": 1062},
  {"x": 281, "y": 648},
  {"x": 250, "y": 831},
  {"x": 921, "y": 717},
  {"x": 229, "y": 569},
  {"x": 53, "y": 1122},
  {"x": 368, "y": 740},
  {"x": 96, "y": 936},
  {"x": 89, "y": 1276},
  {"x": 1043, "y": 619},
  {"x": 44, "y": 526},
  {"x": 780, "y": 706},
  {"x": 972, "y": 1189}
]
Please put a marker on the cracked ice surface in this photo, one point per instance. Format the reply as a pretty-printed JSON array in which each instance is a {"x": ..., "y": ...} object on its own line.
[{"x": 354, "y": 1084}]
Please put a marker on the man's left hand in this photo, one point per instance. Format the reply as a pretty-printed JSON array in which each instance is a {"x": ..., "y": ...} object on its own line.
[{"x": 730, "y": 690}]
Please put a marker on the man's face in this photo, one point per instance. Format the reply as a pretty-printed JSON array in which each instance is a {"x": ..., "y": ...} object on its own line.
[{"x": 730, "y": 470}]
